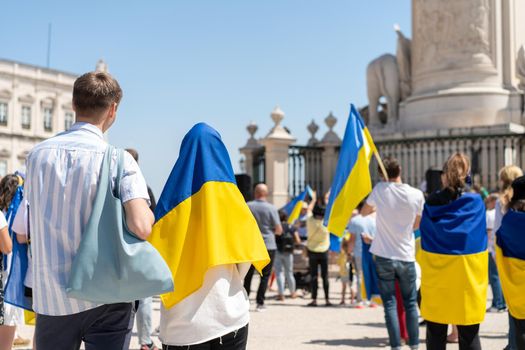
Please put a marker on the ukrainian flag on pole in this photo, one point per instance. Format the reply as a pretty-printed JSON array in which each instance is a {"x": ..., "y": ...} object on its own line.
[
  {"x": 352, "y": 182},
  {"x": 293, "y": 209},
  {"x": 202, "y": 220},
  {"x": 510, "y": 258}
]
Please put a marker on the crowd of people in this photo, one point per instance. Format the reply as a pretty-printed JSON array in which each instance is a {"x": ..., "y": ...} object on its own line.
[{"x": 464, "y": 238}]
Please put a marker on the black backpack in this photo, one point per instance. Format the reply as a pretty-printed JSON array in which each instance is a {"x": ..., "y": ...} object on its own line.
[{"x": 285, "y": 242}]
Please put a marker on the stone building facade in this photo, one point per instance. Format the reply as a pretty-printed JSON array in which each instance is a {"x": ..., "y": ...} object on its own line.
[{"x": 35, "y": 104}]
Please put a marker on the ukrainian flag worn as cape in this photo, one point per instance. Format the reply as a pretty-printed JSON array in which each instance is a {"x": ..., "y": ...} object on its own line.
[
  {"x": 510, "y": 258},
  {"x": 352, "y": 182},
  {"x": 454, "y": 261},
  {"x": 202, "y": 220}
]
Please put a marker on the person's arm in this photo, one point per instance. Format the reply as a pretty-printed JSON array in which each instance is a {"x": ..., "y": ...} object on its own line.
[
  {"x": 296, "y": 237},
  {"x": 367, "y": 238},
  {"x": 351, "y": 243},
  {"x": 311, "y": 205},
  {"x": 20, "y": 223},
  {"x": 135, "y": 198},
  {"x": 22, "y": 239},
  {"x": 139, "y": 217},
  {"x": 417, "y": 222},
  {"x": 419, "y": 212},
  {"x": 276, "y": 222},
  {"x": 6, "y": 244},
  {"x": 367, "y": 210}
]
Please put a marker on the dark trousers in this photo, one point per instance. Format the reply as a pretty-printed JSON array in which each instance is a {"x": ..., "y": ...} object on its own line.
[
  {"x": 263, "y": 285},
  {"x": 519, "y": 333},
  {"x": 232, "y": 341},
  {"x": 317, "y": 260},
  {"x": 437, "y": 336},
  {"x": 104, "y": 327}
]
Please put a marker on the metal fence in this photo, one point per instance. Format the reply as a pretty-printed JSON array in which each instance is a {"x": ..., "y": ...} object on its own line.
[
  {"x": 488, "y": 153},
  {"x": 305, "y": 168}
]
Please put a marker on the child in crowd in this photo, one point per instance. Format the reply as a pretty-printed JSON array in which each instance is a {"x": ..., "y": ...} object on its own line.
[{"x": 346, "y": 271}]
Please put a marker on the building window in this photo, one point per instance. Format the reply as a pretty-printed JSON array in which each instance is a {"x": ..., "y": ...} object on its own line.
[
  {"x": 3, "y": 113},
  {"x": 3, "y": 167},
  {"x": 26, "y": 117},
  {"x": 69, "y": 120},
  {"x": 48, "y": 119}
]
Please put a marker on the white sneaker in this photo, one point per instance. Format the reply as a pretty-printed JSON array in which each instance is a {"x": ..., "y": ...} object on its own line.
[{"x": 260, "y": 308}]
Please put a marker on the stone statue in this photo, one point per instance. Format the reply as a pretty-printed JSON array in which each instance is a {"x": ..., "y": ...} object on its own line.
[
  {"x": 520, "y": 68},
  {"x": 382, "y": 77},
  {"x": 404, "y": 65}
]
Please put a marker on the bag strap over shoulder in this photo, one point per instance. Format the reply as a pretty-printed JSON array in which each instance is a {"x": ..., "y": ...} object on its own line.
[{"x": 120, "y": 168}]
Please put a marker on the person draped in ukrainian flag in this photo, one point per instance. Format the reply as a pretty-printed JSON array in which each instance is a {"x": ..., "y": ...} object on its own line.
[
  {"x": 510, "y": 259},
  {"x": 453, "y": 258},
  {"x": 209, "y": 238}
]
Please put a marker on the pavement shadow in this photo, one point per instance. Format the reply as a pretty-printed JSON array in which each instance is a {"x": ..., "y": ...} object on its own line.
[
  {"x": 369, "y": 324},
  {"x": 361, "y": 343},
  {"x": 493, "y": 336}
]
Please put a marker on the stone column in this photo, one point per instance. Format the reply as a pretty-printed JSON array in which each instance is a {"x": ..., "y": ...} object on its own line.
[
  {"x": 276, "y": 145},
  {"x": 248, "y": 150},
  {"x": 330, "y": 142},
  {"x": 462, "y": 55}
]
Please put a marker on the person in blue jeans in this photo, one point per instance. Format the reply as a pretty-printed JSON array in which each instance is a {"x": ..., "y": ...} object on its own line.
[
  {"x": 498, "y": 301},
  {"x": 398, "y": 207}
]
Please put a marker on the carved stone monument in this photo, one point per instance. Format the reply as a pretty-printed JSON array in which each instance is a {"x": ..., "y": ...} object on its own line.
[{"x": 458, "y": 85}]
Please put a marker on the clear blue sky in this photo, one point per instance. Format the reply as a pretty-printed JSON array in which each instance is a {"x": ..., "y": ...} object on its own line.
[{"x": 222, "y": 62}]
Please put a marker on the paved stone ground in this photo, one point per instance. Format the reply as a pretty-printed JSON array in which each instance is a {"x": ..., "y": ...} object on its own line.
[{"x": 291, "y": 325}]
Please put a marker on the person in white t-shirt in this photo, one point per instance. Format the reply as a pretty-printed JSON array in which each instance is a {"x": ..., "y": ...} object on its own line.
[
  {"x": 399, "y": 208},
  {"x": 498, "y": 301}
]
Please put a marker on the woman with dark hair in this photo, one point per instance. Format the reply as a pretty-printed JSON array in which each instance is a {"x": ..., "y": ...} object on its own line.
[
  {"x": 317, "y": 243},
  {"x": 510, "y": 258},
  {"x": 453, "y": 259}
]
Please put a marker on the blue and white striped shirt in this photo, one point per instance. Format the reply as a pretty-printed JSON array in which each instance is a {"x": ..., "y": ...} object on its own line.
[{"x": 62, "y": 177}]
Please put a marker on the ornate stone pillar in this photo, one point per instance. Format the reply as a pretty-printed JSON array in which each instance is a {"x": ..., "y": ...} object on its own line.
[
  {"x": 248, "y": 150},
  {"x": 312, "y": 129},
  {"x": 462, "y": 51},
  {"x": 330, "y": 143},
  {"x": 276, "y": 145}
]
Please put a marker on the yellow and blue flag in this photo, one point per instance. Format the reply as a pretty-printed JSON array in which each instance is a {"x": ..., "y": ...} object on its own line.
[
  {"x": 293, "y": 209},
  {"x": 352, "y": 182},
  {"x": 510, "y": 258},
  {"x": 454, "y": 261},
  {"x": 202, "y": 220}
]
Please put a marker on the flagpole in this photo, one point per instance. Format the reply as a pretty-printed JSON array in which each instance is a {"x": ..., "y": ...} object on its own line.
[{"x": 381, "y": 165}]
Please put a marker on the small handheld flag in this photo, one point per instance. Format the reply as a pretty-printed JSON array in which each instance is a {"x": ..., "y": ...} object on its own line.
[
  {"x": 352, "y": 182},
  {"x": 293, "y": 209}
]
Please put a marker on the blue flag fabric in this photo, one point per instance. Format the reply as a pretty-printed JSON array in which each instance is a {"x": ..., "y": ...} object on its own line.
[
  {"x": 14, "y": 288},
  {"x": 510, "y": 258}
]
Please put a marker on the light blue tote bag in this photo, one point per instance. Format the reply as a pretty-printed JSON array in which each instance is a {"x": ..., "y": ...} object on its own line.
[{"x": 112, "y": 265}]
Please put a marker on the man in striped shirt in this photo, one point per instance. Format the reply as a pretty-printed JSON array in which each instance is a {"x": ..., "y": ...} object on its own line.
[{"x": 62, "y": 180}]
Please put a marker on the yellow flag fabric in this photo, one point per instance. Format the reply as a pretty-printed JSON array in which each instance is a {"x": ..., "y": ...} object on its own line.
[
  {"x": 510, "y": 259},
  {"x": 202, "y": 220}
]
